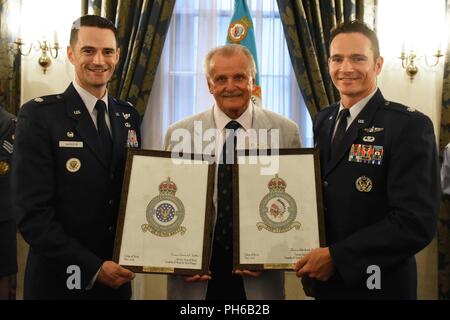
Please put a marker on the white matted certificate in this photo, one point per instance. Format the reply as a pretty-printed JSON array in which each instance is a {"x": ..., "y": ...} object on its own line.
[
  {"x": 278, "y": 210},
  {"x": 164, "y": 219}
]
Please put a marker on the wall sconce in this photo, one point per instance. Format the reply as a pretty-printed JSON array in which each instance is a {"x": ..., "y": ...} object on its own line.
[
  {"x": 47, "y": 50},
  {"x": 408, "y": 62}
]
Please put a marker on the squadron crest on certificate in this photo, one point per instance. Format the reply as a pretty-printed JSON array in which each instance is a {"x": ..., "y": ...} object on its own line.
[
  {"x": 278, "y": 209},
  {"x": 165, "y": 213}
]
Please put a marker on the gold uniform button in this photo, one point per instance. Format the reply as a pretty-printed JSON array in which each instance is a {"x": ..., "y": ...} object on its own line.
[{"x": 4, "y": 167}]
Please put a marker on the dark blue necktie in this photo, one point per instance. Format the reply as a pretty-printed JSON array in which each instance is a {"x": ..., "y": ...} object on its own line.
[
  {"x": 224, "y": 225},
  {"x": 340, "y": 130},
  {"x": 103, "y": 131},
  {"x": 225, "y": 284}
]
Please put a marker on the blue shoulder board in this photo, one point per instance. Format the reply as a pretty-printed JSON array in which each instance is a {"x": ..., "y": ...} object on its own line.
[
  {"x": 389, "y": 105},
  {"x": 50, "y": 99},
  {"x": 124, "y": 103}
]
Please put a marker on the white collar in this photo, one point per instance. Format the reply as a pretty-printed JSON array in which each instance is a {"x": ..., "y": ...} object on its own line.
[
  {"x": 89, "y": 99},
  {"x": 245, "y": 120},
  {"x": 357, "y": 107}
]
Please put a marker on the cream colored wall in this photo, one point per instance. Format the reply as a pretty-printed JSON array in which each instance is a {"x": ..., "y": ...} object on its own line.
[
  {"x": 415, "y": 28},
  {"x": 420, "y": 28},
  {"x": 35, "y": 83},
  {"x": 424, "y": 93}
]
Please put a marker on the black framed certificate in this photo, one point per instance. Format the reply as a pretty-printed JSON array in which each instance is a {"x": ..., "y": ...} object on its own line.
[
  {"x": 164, "y": 220},
  {"x": 278, "y": 211}
]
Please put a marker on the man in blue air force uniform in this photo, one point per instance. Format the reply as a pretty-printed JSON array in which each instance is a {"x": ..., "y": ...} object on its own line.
[
  {"x": 8, "y": 246},
  {"x": 67, "y": 177},
  {"x": 380, "y": 180}
]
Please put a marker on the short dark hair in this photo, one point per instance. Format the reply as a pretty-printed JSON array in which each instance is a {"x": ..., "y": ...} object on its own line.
[
  {"x": 91, "y": 21},
  {"x": 357, "y": 26}
]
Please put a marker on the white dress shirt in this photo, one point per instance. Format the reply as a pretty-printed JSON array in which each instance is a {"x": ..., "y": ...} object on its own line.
[
  {"x": 354, "y": 110},
  {"x": 90, "y": 101},
  {"x": 221, "y": 120}
]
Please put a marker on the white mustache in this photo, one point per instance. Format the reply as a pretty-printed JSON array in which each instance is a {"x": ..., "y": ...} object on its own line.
[{"x": 232, "y": 94}]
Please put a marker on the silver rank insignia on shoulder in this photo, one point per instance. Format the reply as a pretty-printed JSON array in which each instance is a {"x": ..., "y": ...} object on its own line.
[
  {"x": 38, "y": 100},
  {"x": 70, "y": 134},
  {"x": 373, "y": 130},
  {"x": 364, "y": 184},
  {"x": 73, "y": 165},
  {"x": 278, "y": 210},
  {"x": 369, "y": 139},
  {"x": 132, "y": 141},
  {"x": 126, "y": 116},
  {"x": 165, "y": 213},
  {"x": 77, "y": 112},
  {"x": 411, "y": 109}
]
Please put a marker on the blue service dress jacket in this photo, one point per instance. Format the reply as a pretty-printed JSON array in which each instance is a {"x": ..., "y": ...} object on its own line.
[
  {"x": 66, "y": 195},
  {"x": 381, "y": 198},
  {"x": 7, "y": 127},
  {"x": 8, "y": 247}
]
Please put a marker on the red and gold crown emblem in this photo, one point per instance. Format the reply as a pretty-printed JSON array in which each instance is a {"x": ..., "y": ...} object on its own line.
[
  {"x": 277, "y": 184},
  {"x": 167, "y": 187}
]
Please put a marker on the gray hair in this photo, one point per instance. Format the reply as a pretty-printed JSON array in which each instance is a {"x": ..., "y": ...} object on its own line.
[{"x": 229, "y": 50}]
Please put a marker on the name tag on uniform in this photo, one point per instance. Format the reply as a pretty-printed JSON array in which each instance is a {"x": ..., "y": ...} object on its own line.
[{"x": 71, "y": 144}]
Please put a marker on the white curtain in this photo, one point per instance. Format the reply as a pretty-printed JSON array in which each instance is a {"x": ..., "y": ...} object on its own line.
[{"x": 180, "y": 87}]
